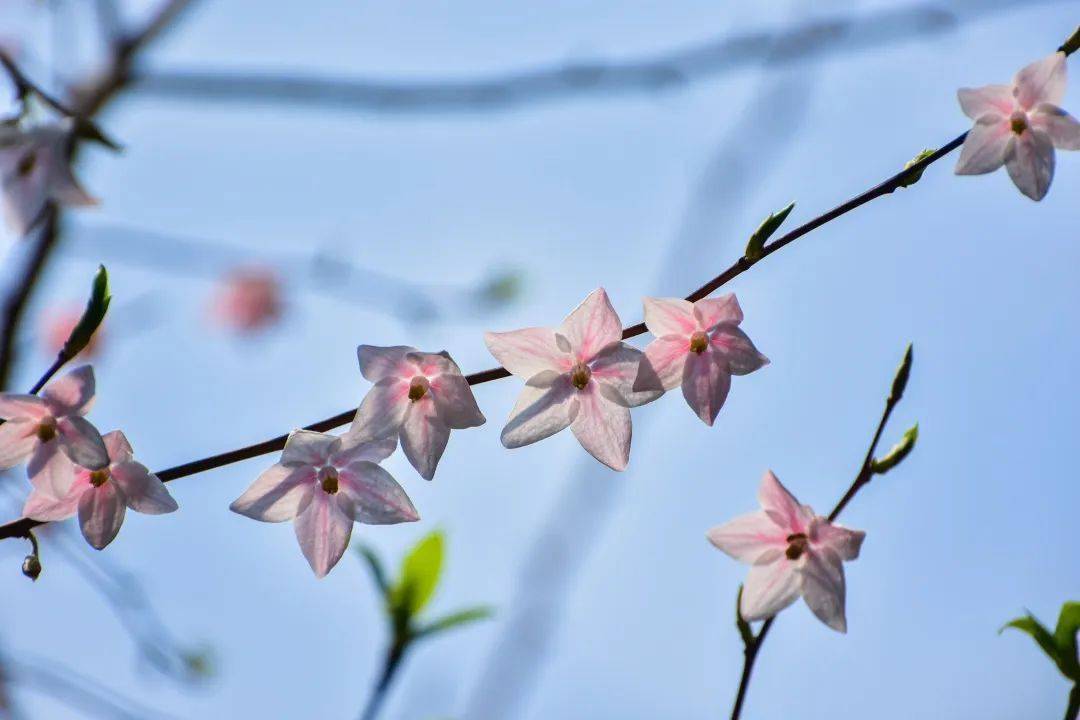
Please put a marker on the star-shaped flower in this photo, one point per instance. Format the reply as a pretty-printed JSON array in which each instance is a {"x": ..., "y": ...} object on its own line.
[
  {"x": 791, "y": 552},
  {"x": 1019, "y": 125},
  {"x": 35, "y": 169},
  {"x": 100, "y": 496},
  {"x": 418, "y": 398},
  {"x": 579, "y": 375},
  {"x": 37, "y": 427},
  {"x": 325, "y": 484},
  {"x": 698, "y": 346}
]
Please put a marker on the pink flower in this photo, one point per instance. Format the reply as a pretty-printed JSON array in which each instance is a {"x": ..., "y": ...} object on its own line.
[
  {"x": 100, "y": 496},
  {"x": 57, "y": 327},
  {"x": 248, "y": 299},
  {"x": 580, "y": 375},
  {"x": 418, "y": 397},
  {"x": 698, "y": 346},
  {"x": 34, "y": 170},
  {"x": 324, "y": 484},
  {"x": 36, "y": 427},
  {"x": 791, "y": 552},
  {"x": 1019, "y": 125}
]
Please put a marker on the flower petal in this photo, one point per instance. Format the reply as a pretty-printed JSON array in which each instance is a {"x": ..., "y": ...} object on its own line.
[
  {"x": 323, "y": 531},
  {"x": 355, "y": 448},
  {"x": 455, "y": 402},
  {"x": 528, "y": 352},
  {"x": 842, "y": 541},
  {"x": 72, "y": 394},
  {"x": 769, "y": 588},
  {"x": 277, "y": 494},
  {"x": 46, "y": 508},
  {"x": 1029, "y": 158},
  {"x": 25, "y": 193},
  {"x": 748, "y": 537},
  {"x": 81, "y": 442},
  {"x": 118, "y": 447},
  {"x": 705, "y": 383},
  {"x": 986, "y": 100},
  {"x": 143, "y": 491},
  {"x": 984, "y": 146},
  {"x": 592, "y": 326},
  {"x": 50, "y": 470},
  {"x": 424, "y": 437},
  {"x": 382, "y": 410},
  {"x": 1062, "y": 128},
  {"x": 1041, "y": 81},
  {"x": 737, "y": 349},
  {"x": 377, "y": 498},
  {"x": 823, "y": 587},
  {"x": 782, "y": 506},
  {"x": 306, "y": 447},
  {"x": 603, "y": 428},
  {"x": 662, "y": 366},
  {"x": 17, "y": 440},
  {"x": 710, "y": 312},
  {"x": 670, "y": 316},
  {"x": 377, "y": 363},
  {"x": 616, "y": 370},
  {"x": 547, "y": 404},
  {"x": 14, "y": 406},
  {"x": 101, "y": 512}
]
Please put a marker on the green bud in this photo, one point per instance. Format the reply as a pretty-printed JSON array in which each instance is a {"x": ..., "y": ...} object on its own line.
[
  {"x": 96, "y": 307},
  {"x": 897, "y": 453},
  {"x": 1072, "y": 44},
  {"x": 755, "y": 248},
  {"x": 903, "y": 372},
  {"x": 914, "y": 177},
  {"x": 31, "y": 567},
  {"x": 745, "y": 632}
]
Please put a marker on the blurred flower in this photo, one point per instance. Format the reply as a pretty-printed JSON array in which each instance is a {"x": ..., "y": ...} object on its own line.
[
  {"x": 791, "y": 552},
  {"x": 418, "y": 397},
  {"x": 57, "y": 327},
  {"x": 100, "y": 496},
  {"x": 1019, "y": 125},
  {"x": 248, "y": 299},
  {"x": 35, "y": 169},
  {"x": 580, "y": 375},
  {"x": 698, "y": 346},
  {"x": 324, "y": 484},
  {"x": 36, "y": 427}
]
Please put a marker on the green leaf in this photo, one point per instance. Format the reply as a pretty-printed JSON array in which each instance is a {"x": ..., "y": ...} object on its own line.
[
  {"x": 914, "y": 177},
  {"x": 1046, "y": 641},
  {"x": 897, "y": 452},
  {"x": 903, "y": 372},
  {"x": 755, "y": 248},
  {"x": 378, "y": 573},
  {"x": 454, "y": 620},
  {"x": 745, "y": 632},
  {"x": 96, "y": 306},
  {"x": 419, "y": 575},
  {"x": 1068, "y": 625}
]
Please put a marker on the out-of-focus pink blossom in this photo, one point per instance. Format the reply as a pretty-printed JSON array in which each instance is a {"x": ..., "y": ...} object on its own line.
[
  {"x": 34, "y": 170},
  {"x": 1019, "y": 125},
  {"x": 698, "y": 346},
  {"x": 418, "y": 398},
  {"x": 324, "y": 484},
  {"x": 57, "y": 327},
  {"x": 37, "y": 428},
  {"x": 248, "y": 299},
  {"x": 579, "y": 375},
  {"x": 791, "y": 552},
  {"x": 100, "y": 496}
]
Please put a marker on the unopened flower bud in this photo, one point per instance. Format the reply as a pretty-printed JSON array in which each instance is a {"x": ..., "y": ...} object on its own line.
[{"x": 31, "y": 567}]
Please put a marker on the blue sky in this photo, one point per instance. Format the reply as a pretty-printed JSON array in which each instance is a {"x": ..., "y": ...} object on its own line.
[{"x": 653, "y": 193}]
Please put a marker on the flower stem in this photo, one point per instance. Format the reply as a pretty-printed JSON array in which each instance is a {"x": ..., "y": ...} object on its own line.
[
  {"x": 394, "y": 655},
  {"x": 1073, "y": 711}
]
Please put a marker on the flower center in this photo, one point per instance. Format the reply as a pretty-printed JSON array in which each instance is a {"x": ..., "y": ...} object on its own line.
[
  {"x": 328, "y": 477},
  {"x": 698, "y": 342},
  {"x": 579, "y": 375},
  {"x": 418, "y": 387},
  {"x": 1018, "y": 123},
  {"x": 46, "y": 430},
  {"x": 797, "y": 545},
  {"x": 26, "y": 164},
  {"x": 99, "y": 477}
]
